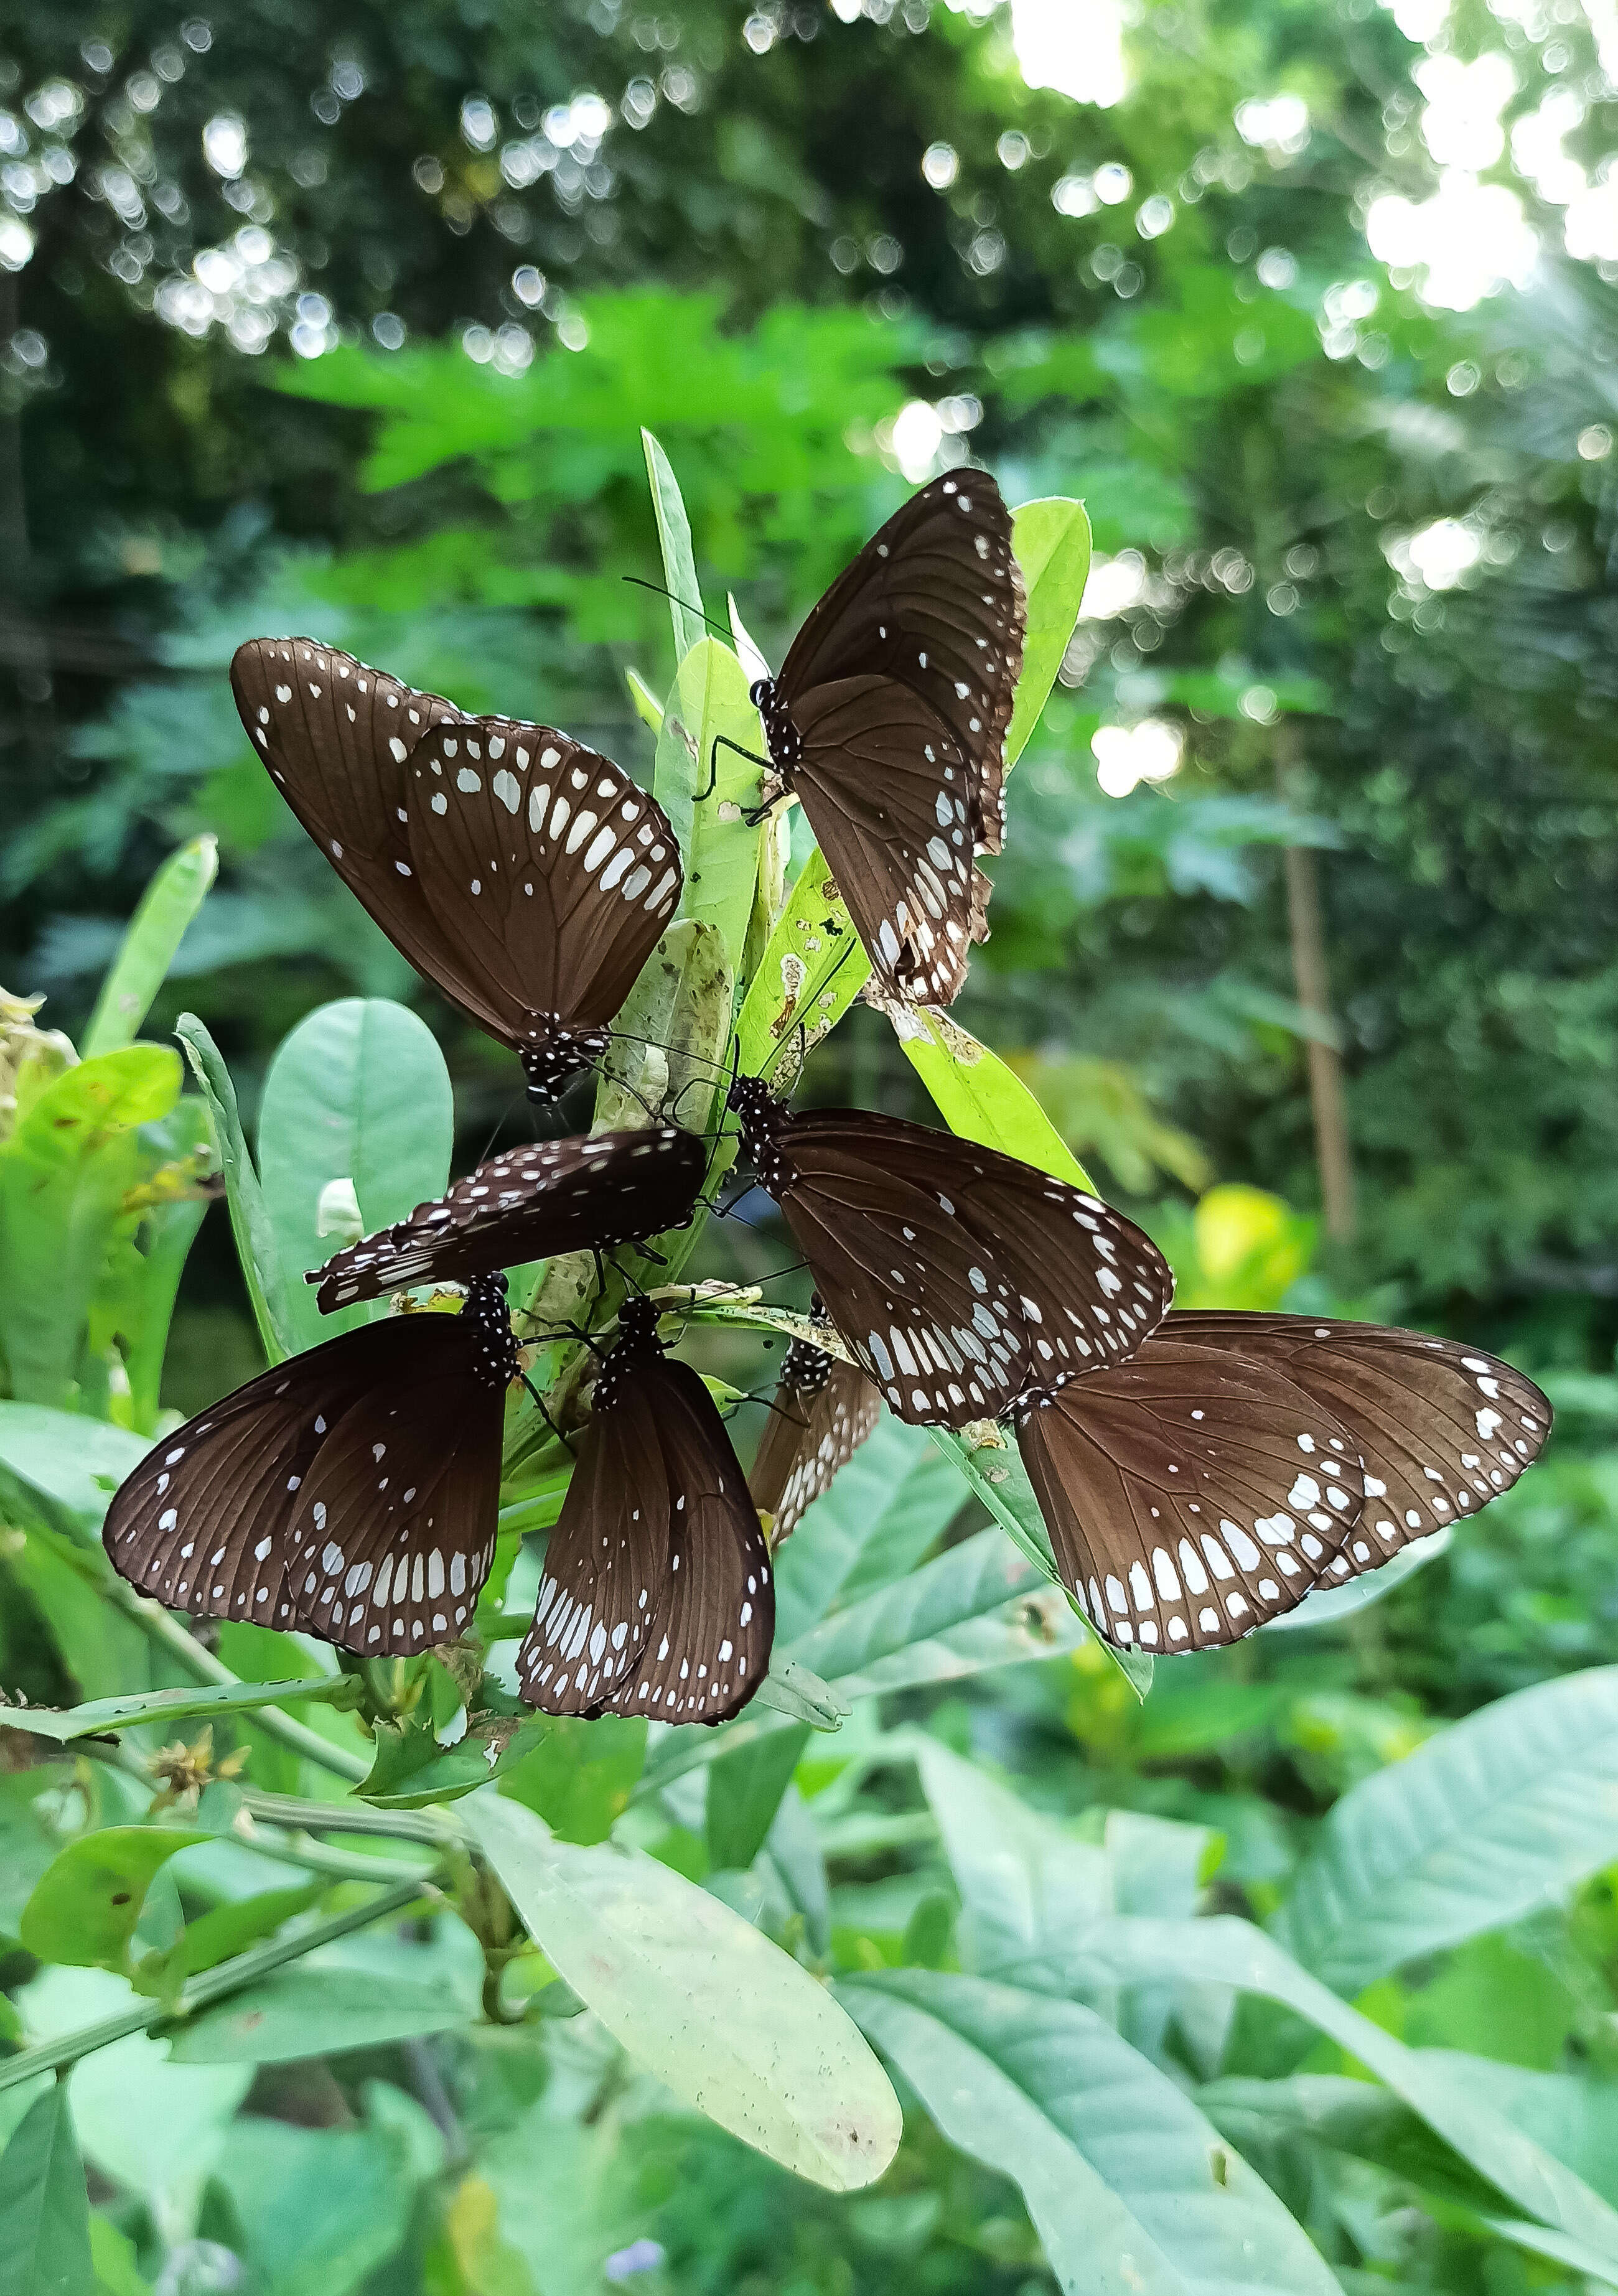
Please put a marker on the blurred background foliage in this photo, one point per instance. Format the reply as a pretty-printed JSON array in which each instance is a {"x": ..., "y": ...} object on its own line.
[{"x": 345, "y": 319}]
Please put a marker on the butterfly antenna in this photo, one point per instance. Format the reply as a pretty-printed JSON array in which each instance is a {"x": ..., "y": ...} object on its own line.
[{"x": 641, "y": 583}]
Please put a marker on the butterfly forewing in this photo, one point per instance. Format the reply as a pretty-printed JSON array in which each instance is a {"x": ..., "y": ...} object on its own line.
[
  {"x": 1190, "y": 1494},
  {"x": 1441, "y": 1427},
  {"x": 530, "y": 1203},
  {"x": 823, "y": 1411}
]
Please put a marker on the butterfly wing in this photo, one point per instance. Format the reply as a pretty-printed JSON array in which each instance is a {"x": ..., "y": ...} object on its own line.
[
  {"x": 1191, "y": 1494},
  {"x": 393, "y": 1530},
  {"x": 889, "y": 793},
  {"x": 530, "y": 1203},
  {"x": 1441, "y": 1427},
  {"x": 934, "y": 602},
  {"x": 203, "y": 1524},
  {"x": 551, "y": 867},
  {"x": 813, "y": 1430}
]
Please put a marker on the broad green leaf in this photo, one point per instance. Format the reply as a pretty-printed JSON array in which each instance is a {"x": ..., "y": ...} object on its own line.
[
  {"x": 744, "y": 1791},
  {"x": 321, "y": 2208},
  {"x": 45, "y": 2210},
  {"x": 705, "y": 792},
  {"x": 668, "y": 1047},
  {"x": 309, "y": 2011},
  {"x": 267, "y": 1285},
  {"x": 1500, "y": 1812},
  {"x": 883, "y": 1510},
  {"x": 1027, "y": 1885},
  {"x": 674, "y": 536},
  {"x": 1051, "y": 541},
  {"x": 579, "y": 1777},
  {"x": 155, "y": 931},
  {"x": 102, "y": 1715},
  {"x": 731, "y": 2024},
  {"x": 996, "y": 1472},
  {"x": 85, "y": 1905},
  {"x": 64, "y": 1173},
  {"x": 412, "y": 1769},
  {"x": 979, "y": 1097},
  {"x": 72, "y": 1463},
  {"x": 811, "y": 971},
  {"x": 359, "y": 1091},
  {"x": 218, "y": 1934},
  {"x": 1127, "y": 2184},
  {"x": 1225, "y": 1951},
  {"x": 1328, "y": 1606}
]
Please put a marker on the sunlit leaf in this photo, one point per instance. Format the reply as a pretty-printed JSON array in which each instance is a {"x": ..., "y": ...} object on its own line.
[
  {"x": 267, "y": 1280},
  {"x": 679, "y": 565},
  {"x": 155, "y": 931},
  {"x": 1051, "y": 541}
]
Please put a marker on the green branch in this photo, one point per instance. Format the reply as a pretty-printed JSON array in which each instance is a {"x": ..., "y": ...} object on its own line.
[{"x": 66, "y": 2049}]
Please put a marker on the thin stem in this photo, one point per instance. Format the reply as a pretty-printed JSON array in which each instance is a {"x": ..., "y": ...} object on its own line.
[
  {"x": 297, "y": 1849},
  {"x": 201, "y": 1665},
  {"x": 214, "y": 1985},
  {"x": 348, "y": 1817}
]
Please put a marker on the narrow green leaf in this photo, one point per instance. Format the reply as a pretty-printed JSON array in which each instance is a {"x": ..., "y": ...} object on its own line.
[
  {"x": 674, "y": 534},
  {"x": 883, "y": 1510},
  {"x": 1051, "y": 540},
  {"x": 359, "y": 1091},
  {"x": 1129, "y": 2186},
  {"x": 794, "y": 1689},
  {"x": 648, "y": 708},
  {"x": 45, "y": 2210},
  {"x": 64, "y": 1173},
  {"x": 979, "y": 1097},
  {"x": 744, "y": 1791},
  {"x": 85, "y": 1905},
  {"x": 731, "y": 2024},
  {"x": 1225, "y": 1951},
  {"x": 142, "y": 1310},
  {"x": 148, "y": 948},
  {"x": 1498, "y": 1815},
  {"x": 102, "y": 1715},
  {"x": 996, "y": 1472},
  {"x": 267, "y": 1288},
  {"x": 310, "y": 2011},
  {"x": 812, "y": 970},
  {"x": 705, "y": 792},
  {"x": 1026, "y": 1885}
]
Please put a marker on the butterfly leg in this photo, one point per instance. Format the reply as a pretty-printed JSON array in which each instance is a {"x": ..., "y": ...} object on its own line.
[
  {"x": 723, "y": 741},
  {"x": 544, "y": 1414}
]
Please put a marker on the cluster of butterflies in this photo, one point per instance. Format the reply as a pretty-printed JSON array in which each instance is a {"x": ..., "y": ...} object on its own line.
[{"x": 1198, "y": 1473}]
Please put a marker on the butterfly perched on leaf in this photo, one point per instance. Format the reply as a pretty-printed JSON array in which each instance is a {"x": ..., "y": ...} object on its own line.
[
  {"x": 524, "y": 874},
  {"x": 956, "y": 1274},
  {"x": 822, "y": 1411},
  {"x": 353, "y": 1490},
  {"x": 657, "y": 1596},
  {"x": 888, "y": 723},
  {"x": 1237, "y": 1461}
]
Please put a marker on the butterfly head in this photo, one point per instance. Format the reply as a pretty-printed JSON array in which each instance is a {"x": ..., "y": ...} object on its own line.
[
  {"x": 784, "y": 741},
  {"x": 554, "y": 1055}
]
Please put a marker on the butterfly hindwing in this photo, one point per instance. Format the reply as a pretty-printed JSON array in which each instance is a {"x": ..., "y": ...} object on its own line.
[
  {"x": 822, "y": 1412},
  {"x": 1190, "y": 1494},
  {"x": 1441, "y": 1427}
]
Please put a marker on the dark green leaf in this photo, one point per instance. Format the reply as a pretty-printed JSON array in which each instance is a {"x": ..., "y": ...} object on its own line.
[
  {"x": 45, "y": 2213},
  {"x": 744, "y": 1791},
  {"x": 579, "y": 1777}
]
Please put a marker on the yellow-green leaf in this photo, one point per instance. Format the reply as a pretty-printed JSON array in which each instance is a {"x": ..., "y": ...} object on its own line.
[
  {"x": 148, "y": 947},
  {"x": 979, "y": 1097},
  {"x": 1051, "y": 539}
]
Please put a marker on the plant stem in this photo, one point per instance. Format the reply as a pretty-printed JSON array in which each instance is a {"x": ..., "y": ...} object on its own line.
[
  {"x": 214, "y": 1985},
  {"x": 348, "y": 1817},
  {"x": 201, "y": 1665}
]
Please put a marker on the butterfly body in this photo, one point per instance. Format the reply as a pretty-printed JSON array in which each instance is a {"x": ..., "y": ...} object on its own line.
[
  {"x": 657, "y": 1596},
  {"x": 956, "y": 1275}
]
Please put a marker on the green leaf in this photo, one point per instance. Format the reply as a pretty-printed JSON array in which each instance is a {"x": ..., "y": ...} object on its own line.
[
  {"x": 64, "y": 1173},
  {"x": 142, "y": 1311},
  {"x": 1051, "y": 541},
  {"x": 674, "y": 534},
  {"x": 72, "y": 1463},
  {"x": 1494, "y": 1817},
  {"x": 979, "y": 1097},
  {"x": 45, "y": 2210},
  {"x": 744, "y": 1791},
  {"x": 996, "y": 1472},
  {"x": 102, "y": 1715},
  {"x": 1027, "y": 1885},
  {"x": 310, "y": 2011},
  {"x": 883, "y": 1510},
  {"x": 321, "y": 2208},
  {"x": 412, "y": 1769},
  {"x": 216, "y": 1935},
  {"x": 112, "y": 2253},
  {"x": 706, "y": 2003},
  {"x": 709, "y": 701},
  {"x": 359, "y": 1091},
  {"x": 648, "y": 708},
  {"x": 794, "y": 1689},
  {"x": 85, "y": 1905},
  {"x": 669, "y": 1039},
  {"x": 579, "y": 1777},
  {"x": 267, "y": 1287},
  {"x": 812, "y": 970},
  {"x": 1129, "y": 2186},
  {"x": 155, "y": 931},
  {"x": 1225, "y": 1951}
]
